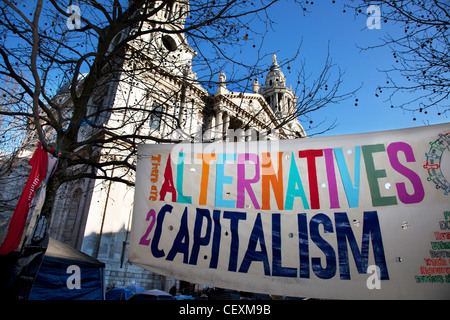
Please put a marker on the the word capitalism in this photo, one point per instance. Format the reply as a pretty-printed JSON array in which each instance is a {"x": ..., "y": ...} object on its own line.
[{"x": 263, "y": 244}]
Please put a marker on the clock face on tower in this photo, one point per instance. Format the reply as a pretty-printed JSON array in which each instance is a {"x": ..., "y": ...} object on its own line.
[{"x": 169, "y": 43}]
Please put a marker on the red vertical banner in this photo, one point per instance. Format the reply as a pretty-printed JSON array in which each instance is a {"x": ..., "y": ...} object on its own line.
[{"x": 17, "y": 224}]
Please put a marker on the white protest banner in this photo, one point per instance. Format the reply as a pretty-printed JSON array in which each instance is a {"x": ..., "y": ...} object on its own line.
[{"x": 363, "y": 216}]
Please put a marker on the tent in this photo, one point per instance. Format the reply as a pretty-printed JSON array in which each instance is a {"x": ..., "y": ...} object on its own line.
[
  {"x": 68, "y": 274},
  {"x": 118, "y": 294},
  {"x": 153, "y": 294}
]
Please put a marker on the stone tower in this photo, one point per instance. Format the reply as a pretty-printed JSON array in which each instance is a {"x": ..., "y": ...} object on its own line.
[
  {"x": 281, "y": 99},
  {"x": 163, "y": 99}
]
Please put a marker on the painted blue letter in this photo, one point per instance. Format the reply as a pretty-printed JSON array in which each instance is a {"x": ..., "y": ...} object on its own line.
[
  {"x": 351, "y": 190},
  {"x": 330, "y": 255},
  {"x": 251, "y": 254},
  {"x": 222, "y": 179},
  {"x": 234, "y": 246},
  {"x": 277, "y": 269},
  {"x": 157, "y": 253},
  {"x": 371, "y": 231},
  {"x": 198, "y": 239}
]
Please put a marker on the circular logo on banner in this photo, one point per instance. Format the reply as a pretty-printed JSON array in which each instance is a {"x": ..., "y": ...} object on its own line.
[{"x": 438, "y": 162}]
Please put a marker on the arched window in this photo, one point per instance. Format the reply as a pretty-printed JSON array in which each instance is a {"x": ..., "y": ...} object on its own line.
[
  {"x": 169, "y": 8},
  {"x": 155, "y": 116}
]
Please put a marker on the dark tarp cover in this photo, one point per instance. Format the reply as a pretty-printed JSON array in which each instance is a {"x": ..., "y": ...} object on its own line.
[{"x": 51, "y": 281}]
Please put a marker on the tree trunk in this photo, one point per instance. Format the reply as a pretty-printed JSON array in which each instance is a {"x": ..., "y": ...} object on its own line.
[{"x": 52, "y": 189}]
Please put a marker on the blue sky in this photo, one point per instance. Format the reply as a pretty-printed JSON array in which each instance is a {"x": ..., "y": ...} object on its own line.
[{"x": 327, "y": 23}]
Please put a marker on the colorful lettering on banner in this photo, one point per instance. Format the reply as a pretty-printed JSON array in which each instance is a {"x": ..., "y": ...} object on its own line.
[
  {"x": 168, "y": 185},
  {"x": 351, "y": 189},
  {"x": 265, "y": 177},
  {"x": 269, "y": 178},
  {"x": 309, "y": 218}
]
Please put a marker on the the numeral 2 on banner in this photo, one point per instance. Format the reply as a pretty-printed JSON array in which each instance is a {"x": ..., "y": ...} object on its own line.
[{"x": 145, "y": 240}]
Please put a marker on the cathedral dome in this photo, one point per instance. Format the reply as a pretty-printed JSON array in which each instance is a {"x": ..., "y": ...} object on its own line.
[{"x": 275, "y": 77}]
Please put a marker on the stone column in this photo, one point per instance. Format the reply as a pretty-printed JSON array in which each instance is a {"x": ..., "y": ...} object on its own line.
[
  {"x": 226, "y": 124},
  {"x": 213, "y": 126},
  {"x": 219, "y": 125},
  {"x": 251, "y": 135}
]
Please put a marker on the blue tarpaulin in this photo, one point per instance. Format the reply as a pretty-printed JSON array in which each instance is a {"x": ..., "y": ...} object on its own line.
[
  {"x": 118, "y": 294},
  {"x": 68, "y": 274}
]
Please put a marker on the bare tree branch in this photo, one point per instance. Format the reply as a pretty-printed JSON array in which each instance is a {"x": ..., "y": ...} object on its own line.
[{"x": 421, "y": 54}]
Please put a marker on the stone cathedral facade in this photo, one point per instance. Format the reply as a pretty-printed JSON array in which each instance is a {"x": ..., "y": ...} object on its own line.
[{"x": 95, "y": 216}]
